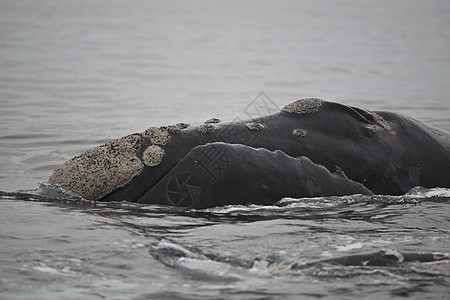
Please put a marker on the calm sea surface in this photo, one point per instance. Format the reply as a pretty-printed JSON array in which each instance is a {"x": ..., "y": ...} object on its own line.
[{"x": 75, "y": 74}]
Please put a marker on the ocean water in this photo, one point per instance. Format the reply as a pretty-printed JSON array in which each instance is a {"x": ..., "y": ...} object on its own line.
[{"x": 75, "y": 74}]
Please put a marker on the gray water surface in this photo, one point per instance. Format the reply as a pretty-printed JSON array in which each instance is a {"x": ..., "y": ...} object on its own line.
[{"x": 75, "y": 74}]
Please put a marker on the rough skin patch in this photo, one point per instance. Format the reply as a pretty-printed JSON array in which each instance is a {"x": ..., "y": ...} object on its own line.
[
  {"x": 174, "y": 129},
  {"x": 382, "y": 122},
  {"x": 206, "y": 128},
  {"x": 304, "y": 106},
  {"x": 101, "y": 170},
  {"x": 373, "y": 130},
  {"x": 300, "y": 133},
  {"x": 212, "y": 120},
  {"x": 157, "y": 135},
  {"x": 183, "y": 125},
  {"x": 153, "y": 156},
  {"x": 254, "y": 126}
]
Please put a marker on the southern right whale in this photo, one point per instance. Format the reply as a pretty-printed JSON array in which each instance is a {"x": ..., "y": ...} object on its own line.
[{"x": 310, "y": 148}]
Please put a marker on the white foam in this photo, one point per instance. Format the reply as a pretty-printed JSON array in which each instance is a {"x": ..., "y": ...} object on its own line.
[
  {"x": 180, "y": 257},
  {"x": 421, "y": 192},
  {"x": 287, "y": 203},
  {"x": 208, "y": 267},
  {"x": 357, "y": 245},
  {"x": 66, "y": 271}
]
